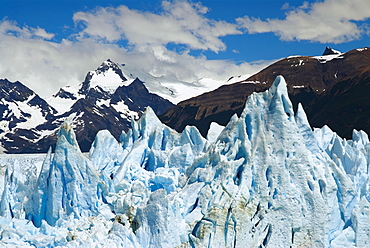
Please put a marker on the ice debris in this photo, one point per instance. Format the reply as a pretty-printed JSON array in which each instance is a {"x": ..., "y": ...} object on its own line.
[{"x": 267, "y": 180}]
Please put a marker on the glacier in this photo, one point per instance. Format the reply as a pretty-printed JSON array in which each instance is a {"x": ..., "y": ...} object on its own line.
[{"x": 267, "y": 179}]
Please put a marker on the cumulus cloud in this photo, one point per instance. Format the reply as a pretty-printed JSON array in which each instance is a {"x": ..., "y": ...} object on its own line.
[
  {"x": 181, "y": 22},
  {"x": 32, "y": 56},
  {"x": 141, "y": 39},
  {"x": 11, "y": 27},
  {"x": 46, "y": 66},
  {"x": 330, "y": 21}
]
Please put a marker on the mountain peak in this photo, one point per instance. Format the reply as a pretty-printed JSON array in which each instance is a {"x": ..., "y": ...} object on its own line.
[
  {"x": 108, "y": 76},
  {"x": 109, "y": 64},
  {"x": 330, "y": 51}
]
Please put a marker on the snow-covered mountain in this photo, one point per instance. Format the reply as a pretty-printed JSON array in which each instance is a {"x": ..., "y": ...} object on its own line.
[
  {"x": 107, "y": 99},
  {"x": 267, "y": 180},
  {"x": 21, "y": 110},
  {"x": 109, "y": 75}
]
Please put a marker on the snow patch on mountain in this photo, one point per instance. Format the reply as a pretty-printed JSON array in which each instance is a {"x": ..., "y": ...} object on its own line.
[
  {"x": 64, "y": 99},
  {"x": 326, "y": 58},
  {"x": 183, "y": 91},
  {"x": 125, "y": 111},
  {"x": 362, "y": 49},
  {"x": 330, "y": 51},
  {"x": 237, "y": 79},
  {"x": 31, "y": 115},
  {"x": 329, "y": 54},
  {"x": 108, "y": 80}
]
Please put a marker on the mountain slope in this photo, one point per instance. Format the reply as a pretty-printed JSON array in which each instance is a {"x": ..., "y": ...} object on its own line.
[
  {"x": 113, "y": 112},
  {"x": 306, "y": 77},
  {"x": 345, "y": 106},
  {"x": 105, "y": 100},
  {"x": 21, "y": 110}
]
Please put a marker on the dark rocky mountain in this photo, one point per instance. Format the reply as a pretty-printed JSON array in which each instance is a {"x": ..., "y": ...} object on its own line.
[
  {"x": 345, "y": 106},
  {"x": 331, "y": 87},
  {"x": 105, "y": 100},
  {"x": 115, "y": 114},
  {"x": 20, "y": 110}
]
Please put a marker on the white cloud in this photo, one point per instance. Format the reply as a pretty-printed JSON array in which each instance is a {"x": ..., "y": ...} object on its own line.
[
  {"x": 43, "y": 65},
  {"x": 9, "y": 27},
  {"x": 46, "y": 66},
  {"x": 40, "y": 32},
  {"x": 330, "y": 21},
  {"x": 181, "y": 22}
]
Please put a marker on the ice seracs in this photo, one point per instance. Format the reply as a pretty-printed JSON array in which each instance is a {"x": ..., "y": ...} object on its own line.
[
  {"x": 267, "y": 179},
  {"x": 68, "y": 183}
]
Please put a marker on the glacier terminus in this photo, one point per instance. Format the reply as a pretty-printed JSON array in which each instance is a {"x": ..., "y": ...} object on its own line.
[{"x": 267, "y": 179}]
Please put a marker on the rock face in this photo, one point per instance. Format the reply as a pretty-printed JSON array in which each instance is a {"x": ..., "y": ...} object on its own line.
[
  {"x": 267, "y": 180},
  {"x": 308, "y": 78},
  {"x": 116, "y": 111},
  {"x": 105, "y": 100},
  {"x": 330, "y": 51},
  {"x": 345, "y": 106},
  {"x": 20, "y": 111}
]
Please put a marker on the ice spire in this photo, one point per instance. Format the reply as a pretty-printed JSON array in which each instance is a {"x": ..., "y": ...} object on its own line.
[
  {"x": 66, "y": 132},
  {"x": 280, "y": 95},
  {"x": 5, "y": 208},
  {"x": 37, "y": 205},
  {"x": 68, "y": 184}
]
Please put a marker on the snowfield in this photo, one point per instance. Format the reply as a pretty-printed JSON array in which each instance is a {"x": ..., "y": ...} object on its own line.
[{"x": 265, "y": 180}]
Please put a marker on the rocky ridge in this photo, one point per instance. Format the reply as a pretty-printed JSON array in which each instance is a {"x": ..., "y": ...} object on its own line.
[
  {"x": 310, "y": 80},
  {"x": 105, "y": 100}
]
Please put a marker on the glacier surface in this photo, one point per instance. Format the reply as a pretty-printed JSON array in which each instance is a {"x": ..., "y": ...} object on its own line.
[{"x": 267, "y": 179}]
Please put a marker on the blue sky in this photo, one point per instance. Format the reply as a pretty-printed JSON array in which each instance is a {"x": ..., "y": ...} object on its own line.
[{"x": 48, "y": 44}]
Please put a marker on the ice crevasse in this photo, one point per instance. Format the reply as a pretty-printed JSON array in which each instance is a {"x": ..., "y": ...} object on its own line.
[{"x": 267, "y": 180}]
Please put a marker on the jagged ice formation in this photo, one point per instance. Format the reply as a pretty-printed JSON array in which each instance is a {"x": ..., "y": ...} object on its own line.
[{"x": 268, "y": 180}]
